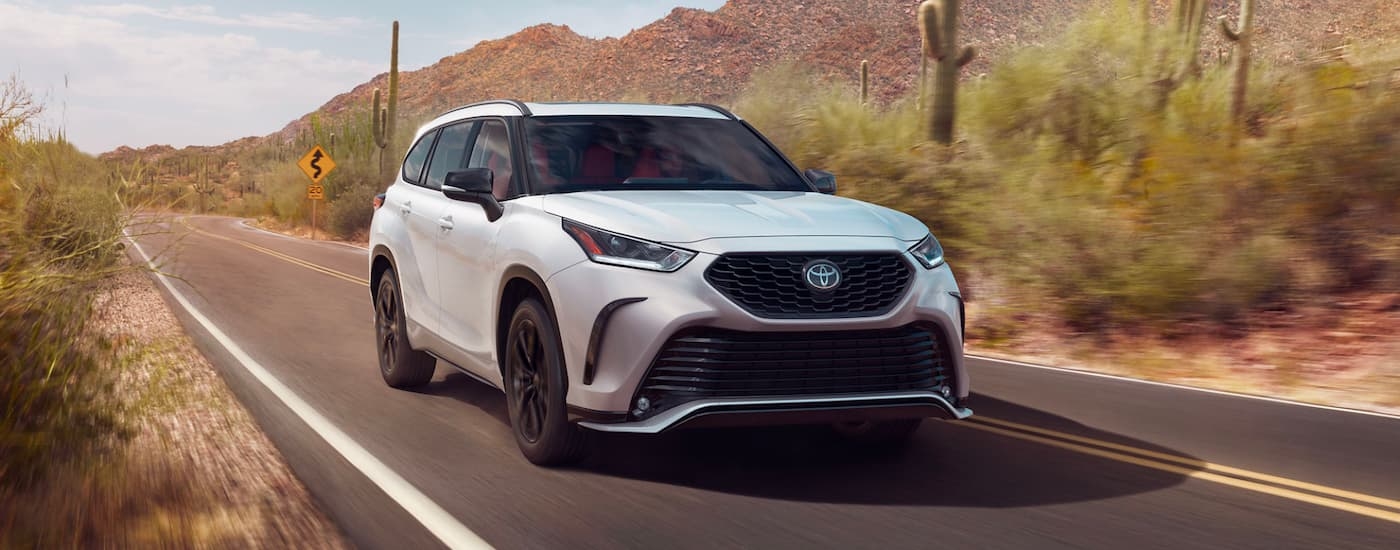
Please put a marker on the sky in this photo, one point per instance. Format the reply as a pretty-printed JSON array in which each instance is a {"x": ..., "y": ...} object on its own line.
[{"x": 143, "y": 72}]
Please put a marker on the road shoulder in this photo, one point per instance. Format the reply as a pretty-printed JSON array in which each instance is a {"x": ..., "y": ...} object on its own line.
[{"x": 197, "y": 470}]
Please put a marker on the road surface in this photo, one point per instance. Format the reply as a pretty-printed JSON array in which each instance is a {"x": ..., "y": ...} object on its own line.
[{"x": 1052, "y": 459}]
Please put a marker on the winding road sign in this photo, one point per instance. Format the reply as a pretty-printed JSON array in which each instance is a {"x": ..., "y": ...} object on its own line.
[{"x": 316, "y": 164}]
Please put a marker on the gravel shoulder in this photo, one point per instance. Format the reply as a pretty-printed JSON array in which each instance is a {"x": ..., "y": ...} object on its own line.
[{"x": 196, "y": 472}]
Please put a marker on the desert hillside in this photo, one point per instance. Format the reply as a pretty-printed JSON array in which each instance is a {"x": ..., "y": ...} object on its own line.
[{"x": 697, "y": 55}]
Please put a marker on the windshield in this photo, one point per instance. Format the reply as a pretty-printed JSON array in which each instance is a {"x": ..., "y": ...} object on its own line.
[{"x": 591, "y": 153}]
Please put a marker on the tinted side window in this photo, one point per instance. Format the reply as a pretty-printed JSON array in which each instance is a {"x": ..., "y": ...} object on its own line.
[
  {"x": 417, "y": 157},
  {"x": 450, "y": 153},
  {"x": 493, "y": 151}
]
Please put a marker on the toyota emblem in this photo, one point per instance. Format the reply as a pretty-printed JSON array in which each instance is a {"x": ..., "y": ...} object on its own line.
[{"x": 822, "y": 275}]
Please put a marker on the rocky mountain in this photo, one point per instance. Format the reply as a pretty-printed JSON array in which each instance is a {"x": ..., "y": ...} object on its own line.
[{"x": 698, "y": 55}]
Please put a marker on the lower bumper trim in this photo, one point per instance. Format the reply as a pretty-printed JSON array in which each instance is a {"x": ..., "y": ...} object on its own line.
[{"x": 789, "y": 410}]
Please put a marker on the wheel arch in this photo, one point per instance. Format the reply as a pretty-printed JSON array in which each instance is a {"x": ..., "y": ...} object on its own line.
[
  {"x": 383, "y": 261},
  {"x": 519, "y": 282}
]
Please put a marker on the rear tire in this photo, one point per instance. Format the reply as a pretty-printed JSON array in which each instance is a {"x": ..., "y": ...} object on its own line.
[
  {"x": 535, "y": 388},
  {"x": 400, "y": 364},
  {"x": 888, "y": 434}
]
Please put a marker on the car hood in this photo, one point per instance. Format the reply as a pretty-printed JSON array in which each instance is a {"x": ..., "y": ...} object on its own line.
[{"x": 678, "y": 217}]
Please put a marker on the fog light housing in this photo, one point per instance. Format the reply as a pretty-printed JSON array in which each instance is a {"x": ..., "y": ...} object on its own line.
[
  {"x": 643, "y": 405},
  {"x": 946, "y": 391}
]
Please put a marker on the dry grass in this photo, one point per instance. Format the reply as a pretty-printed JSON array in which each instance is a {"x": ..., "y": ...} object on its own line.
[
  {"x": 1342, "y": 354},
  {"x": 196, "y": 473}
]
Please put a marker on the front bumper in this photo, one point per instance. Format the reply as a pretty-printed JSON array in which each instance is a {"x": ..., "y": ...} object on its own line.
[
  {"x": 655, "y": 306},
  {"x": 789, "y": 410}
]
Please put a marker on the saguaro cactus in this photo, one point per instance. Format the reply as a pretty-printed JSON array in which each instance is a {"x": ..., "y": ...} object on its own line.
[
  {"x": 1241, "y": 59},
  {"x": 393, "y": 115},
  {"x": 204, "y": 187},
  {"x": 864, "y": 82},
  {"x": 385, "y": 121},
  {"x": 938, "y": 23}
]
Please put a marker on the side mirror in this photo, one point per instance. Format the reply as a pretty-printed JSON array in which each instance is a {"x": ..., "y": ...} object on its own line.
[
  {"x": 471, "y": 180},
  {"x": 473, "y": 185},
  {"x": 824, "y": 181}
]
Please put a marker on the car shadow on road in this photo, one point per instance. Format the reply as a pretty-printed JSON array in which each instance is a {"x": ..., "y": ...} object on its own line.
[
  {"x": 948, "y": 463},
  {"x": 470, "y": 391}
]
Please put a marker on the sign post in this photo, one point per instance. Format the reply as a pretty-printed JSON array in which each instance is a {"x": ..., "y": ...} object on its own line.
[{"x": 316, "y": 164}]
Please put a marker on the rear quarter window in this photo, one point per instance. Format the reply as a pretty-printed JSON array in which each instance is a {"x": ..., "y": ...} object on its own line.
[{"x": 417, "y": 157}]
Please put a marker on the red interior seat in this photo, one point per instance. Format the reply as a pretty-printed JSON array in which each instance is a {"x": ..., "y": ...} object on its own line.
[
  {"x": 599, "y": 165},
  {"x": 647, "y": 165}
]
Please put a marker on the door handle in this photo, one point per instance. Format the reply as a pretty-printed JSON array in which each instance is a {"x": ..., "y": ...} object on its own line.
[
  {"x": 445, "y": 223},
  {"x": 407, "y": 208}
]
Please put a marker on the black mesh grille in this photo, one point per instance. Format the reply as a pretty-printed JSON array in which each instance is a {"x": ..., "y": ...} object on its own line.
[
  {"x": 771, "y": 285},
  {"x": 714, "y": 363}
]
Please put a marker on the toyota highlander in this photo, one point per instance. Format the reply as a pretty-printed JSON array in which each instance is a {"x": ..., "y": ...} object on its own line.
[{"x": 639, "y": 268}]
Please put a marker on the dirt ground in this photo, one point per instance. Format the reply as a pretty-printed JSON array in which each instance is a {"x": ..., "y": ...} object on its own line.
[
  {"x": 1342, "y": 354},
  {"x": 198, "y": 473}
]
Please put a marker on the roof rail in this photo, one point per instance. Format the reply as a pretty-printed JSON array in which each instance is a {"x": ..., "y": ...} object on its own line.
[
  {"x": 524, "y": 110},
  {"x": 715, "y": 108}
]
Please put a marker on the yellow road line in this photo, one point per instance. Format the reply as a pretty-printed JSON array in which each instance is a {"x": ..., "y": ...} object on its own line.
[
  {"x": 1195, "y": 473},
  {"x": 1197, "y": 469},
  {"x": 292, "y": 259},
  {"x": 1199, "y": 464}
]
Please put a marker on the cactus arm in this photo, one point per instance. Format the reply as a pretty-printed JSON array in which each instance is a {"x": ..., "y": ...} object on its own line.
[
  {"x": 378, "y": 120},
  {"x": 928, "y": 28},
  {"x": 864, "y": 82},
  {"x": 1230, "y": 34},
  {"x": 967, "y": 55}
]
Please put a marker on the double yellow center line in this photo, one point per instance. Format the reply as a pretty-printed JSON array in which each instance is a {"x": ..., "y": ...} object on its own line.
[
  {"x": 1301, "y": 491},
  {"x": 270, "y": 252}
]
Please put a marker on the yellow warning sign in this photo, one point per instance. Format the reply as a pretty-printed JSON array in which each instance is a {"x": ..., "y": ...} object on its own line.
[
  {"x": 316, "y": 164},
  {"x": 315, "y": 192}
]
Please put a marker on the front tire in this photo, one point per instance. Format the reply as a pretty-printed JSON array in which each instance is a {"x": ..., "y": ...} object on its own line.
[
  {"x": 400, "y": 364},
  {"x": 535, "y": 387}
]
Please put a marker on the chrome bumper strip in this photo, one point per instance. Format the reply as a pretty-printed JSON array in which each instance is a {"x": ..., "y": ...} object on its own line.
[{"x": 683, "y": 413}]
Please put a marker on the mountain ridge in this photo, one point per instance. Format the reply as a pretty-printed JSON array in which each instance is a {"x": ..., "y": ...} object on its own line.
[{"x": 700, "y": 55}]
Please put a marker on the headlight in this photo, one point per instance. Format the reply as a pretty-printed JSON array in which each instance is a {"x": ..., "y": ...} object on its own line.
[
  {"x": 928, "y": 252},
  {"x": 613, "y": 249}
]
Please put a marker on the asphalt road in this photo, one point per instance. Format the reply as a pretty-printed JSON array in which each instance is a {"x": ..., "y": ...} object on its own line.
[{"x": 1051, "y": 459}]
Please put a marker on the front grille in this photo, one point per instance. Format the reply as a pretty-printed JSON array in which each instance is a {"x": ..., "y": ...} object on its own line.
[
  {"x": 772, "y": 286},
  {"x": 714, "y": 363}
]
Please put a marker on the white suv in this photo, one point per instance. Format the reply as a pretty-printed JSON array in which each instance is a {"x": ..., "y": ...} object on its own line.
[{"x": 636, "y": 268}]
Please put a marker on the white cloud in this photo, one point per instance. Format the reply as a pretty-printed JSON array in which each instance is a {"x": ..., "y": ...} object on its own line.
[
  {"x": 137, "y": 86},
  {"x": 207, "y": 15}
]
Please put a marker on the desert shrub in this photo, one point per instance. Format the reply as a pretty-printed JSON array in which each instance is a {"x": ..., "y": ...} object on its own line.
[
  {"x": 351, "y": 211},
  {"x": 60, "y": 231},
  {"x": 1077, "y": 190}
]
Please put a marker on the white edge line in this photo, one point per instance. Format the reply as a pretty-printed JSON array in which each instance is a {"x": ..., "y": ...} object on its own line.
[
  {"x": 1185, "y": 387},
  {"x": 435, "y": 519},
  {"x": 244, "y": 222}
]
